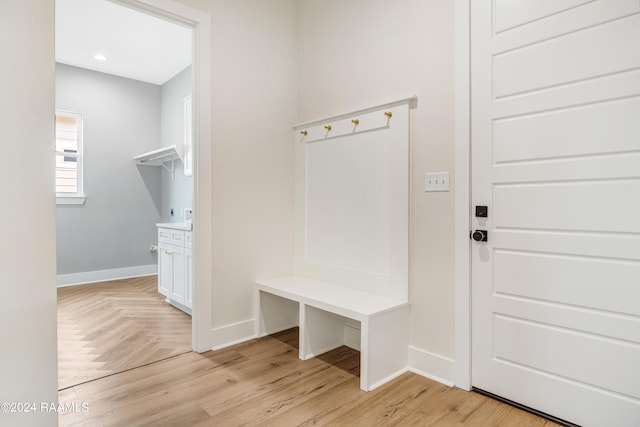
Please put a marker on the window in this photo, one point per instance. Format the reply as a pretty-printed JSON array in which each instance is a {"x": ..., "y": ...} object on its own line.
[{"x": 69, "y": 158}]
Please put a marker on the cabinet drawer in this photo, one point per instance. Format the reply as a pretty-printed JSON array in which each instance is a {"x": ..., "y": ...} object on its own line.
[
  {"x": 188, "y": 239},
  {"x": 167, "y": 235}
]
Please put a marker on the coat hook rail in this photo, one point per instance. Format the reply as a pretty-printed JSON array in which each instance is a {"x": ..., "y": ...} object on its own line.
[
  {"x": 412, "y": 101},
  {"x": 357, "y": 122}
]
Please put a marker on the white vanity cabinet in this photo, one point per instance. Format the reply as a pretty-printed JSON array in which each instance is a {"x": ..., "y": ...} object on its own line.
[{"x": 175, "y": 265}]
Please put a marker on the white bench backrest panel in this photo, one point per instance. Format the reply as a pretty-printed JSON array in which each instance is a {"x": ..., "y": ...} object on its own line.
[{"x": 352, "y": 201}]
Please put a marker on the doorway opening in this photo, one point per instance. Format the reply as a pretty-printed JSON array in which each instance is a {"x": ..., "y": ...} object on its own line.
[{"x": 125, "y": 69}]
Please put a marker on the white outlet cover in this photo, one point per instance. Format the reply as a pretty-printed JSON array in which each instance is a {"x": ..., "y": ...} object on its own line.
[
  {"x": 187, "y": 214},
  {"x": 436, "y": 181}
]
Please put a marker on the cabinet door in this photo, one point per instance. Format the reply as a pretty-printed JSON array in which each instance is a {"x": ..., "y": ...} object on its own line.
[
  {"x": 178, "y": 289},
  {"x": 188, "y": 277},
  {"x": 165, "y": 269}
]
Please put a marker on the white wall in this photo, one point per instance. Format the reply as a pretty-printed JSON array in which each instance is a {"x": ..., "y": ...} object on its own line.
[
  {"x": 28, "y": 362},
  {"x": 361, "y": 53},
  {"x": 340, "y": 56},
  {"x": 253, "y": 108}
]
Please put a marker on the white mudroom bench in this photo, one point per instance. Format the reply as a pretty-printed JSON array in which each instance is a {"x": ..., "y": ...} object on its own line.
[{"x": 323, "y": 312}]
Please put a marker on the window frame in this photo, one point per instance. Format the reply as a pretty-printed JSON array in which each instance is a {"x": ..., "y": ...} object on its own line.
[{"x": 77, "y": 198}]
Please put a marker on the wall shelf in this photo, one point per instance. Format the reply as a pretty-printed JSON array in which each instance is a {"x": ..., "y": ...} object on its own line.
[{"x": 159, "y": 157}]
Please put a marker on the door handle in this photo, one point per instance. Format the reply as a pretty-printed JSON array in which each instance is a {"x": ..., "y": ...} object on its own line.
[{"x": 480, "y": 235}]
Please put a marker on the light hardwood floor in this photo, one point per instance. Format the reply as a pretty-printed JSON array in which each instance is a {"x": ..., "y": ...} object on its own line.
[
  {"x": 109, "y": 327},
  {"x": 262, "y": 382}
]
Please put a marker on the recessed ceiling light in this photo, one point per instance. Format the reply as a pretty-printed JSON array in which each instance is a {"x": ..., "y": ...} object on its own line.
[{"x": 100, "y": 57}]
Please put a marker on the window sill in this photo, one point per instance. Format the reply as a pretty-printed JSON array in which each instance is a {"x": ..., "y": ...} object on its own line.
[{"x": 70, "y": 200}]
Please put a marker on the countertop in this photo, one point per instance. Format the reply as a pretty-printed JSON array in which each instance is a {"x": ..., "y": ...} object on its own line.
[{"x": 185, "y": 226}]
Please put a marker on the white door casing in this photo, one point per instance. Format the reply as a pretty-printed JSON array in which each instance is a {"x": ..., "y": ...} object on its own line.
[
  {"x": 555, "y": 130},
  {"x": 203, "y": 338}
]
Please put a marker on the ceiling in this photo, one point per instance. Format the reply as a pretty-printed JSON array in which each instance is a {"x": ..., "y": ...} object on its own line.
[{"x": 136, "y": 45}]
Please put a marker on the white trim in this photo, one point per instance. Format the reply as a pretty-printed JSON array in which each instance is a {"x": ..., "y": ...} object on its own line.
[
  {"x": 387, "y": 379},
  {"x": 236, "y": 333},
  {"x": 70, "y": 200},
  {"x": 179, "y": 306},
  {"x": 432, "y": 366},
  {"x": 462, "y": 260},
  {"x": 411, "y": 100},
  {"x": 200, "y": 22},
  {"x": 281, "y": 328},
  {"x": 74, "y": 279}
]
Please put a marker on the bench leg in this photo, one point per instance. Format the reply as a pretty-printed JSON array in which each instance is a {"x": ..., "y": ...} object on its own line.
[{"x": 385, "y": 348}]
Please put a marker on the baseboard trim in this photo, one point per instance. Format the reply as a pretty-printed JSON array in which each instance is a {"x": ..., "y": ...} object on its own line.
[
  {"x": 179, "y": 306},
  {"x": 74, "y": 279},
  {"x": 236, "y": 333},
  {"x": 432, "y": 366},
  {"x": 276, "y": 330},
  {"x": 387, "y": 379}
]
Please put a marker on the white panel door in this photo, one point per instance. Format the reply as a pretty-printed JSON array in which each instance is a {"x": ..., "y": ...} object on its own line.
[{"x": 556, "y": 159}]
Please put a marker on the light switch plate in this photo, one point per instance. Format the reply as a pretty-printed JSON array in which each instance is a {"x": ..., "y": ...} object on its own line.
[{"x": 436, "y": 181}]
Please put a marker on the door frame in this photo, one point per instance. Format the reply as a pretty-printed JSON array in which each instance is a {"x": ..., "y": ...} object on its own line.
[
  {"x": 462, "y": 196},
  {"x": 200, "y": 23}
]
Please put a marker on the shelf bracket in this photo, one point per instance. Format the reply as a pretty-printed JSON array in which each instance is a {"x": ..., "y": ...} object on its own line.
[
  {"x": 167, "y": 167},
  {"x": 171, "y": 170}
]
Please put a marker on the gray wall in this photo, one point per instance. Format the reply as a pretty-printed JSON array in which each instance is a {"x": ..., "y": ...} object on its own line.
[
  {"x": 116, "y": 225},
  {"x": 177, "y": 194}
]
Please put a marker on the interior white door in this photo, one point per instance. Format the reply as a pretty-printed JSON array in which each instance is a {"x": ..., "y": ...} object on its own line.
[{"x": 556, "y": 159}]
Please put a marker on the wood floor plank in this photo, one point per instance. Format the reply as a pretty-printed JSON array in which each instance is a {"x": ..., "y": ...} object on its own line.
[
  {"x": 451, "y": 407},
  {"x": 186, "y": 370},
  {"x": 258, "y": 383},
  {"x": 251, "y": 410},
  {"x": 385, "y": 407},
  {"x": 263, "y": 383},
  {"x": 109, "y": 327},
  {"x": 138, "y": 346}
]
